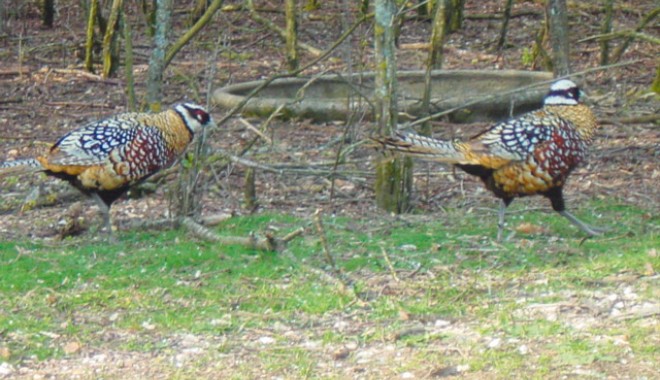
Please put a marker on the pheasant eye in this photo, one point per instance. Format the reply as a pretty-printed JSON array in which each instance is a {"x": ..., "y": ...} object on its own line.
[{"x": 201, "y": 116}]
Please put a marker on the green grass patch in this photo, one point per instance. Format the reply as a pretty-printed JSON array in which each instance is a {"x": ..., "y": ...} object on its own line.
[{"x": 151, "y": 285}]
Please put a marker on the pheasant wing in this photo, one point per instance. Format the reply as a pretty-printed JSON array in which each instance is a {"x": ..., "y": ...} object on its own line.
[
  {"x": 517, "y": 139},
  {"x": 93, "y": 143}
]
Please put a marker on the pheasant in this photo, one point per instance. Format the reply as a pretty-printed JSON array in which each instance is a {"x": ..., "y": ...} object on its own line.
[
  {"x": 103, "y": 159},
  {"x": 528, "y": 155}
]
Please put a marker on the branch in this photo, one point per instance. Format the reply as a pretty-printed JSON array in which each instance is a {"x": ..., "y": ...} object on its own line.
[
  {"x": 521, "y": 89},
  {"x": 268, "y": 243},
  {"x": 280, "y": 32},
  {"x": 183, "y": 40},
  {"x": 273, "y": 78},
  {"x": 619, "y": 51}
]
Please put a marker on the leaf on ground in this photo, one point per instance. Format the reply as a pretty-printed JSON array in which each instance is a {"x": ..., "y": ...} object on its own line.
[
  {"x": 529, "y": 228},
  {"x": 71, "y": 347}
]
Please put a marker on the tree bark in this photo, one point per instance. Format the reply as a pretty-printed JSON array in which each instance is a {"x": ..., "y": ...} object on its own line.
[
  {"x": 655, "y": 87},
  {"x": 605, "y": 28},
  {"x": 454, "y": 15},
  {"x": 558, "y": 22},
  {"x": 157, "y": 60},
  {"x": 291, "y": 35},
  {"x": 393, "y": 184},
  {"x": 434, "y": 60},
  {"x": 89, "y": 44},
  {"x": 505, "y": 24},
  {"x": 128, "y": 67},
  {"x": 48, "y": 13},
  {"x": 110, "y": 49}
]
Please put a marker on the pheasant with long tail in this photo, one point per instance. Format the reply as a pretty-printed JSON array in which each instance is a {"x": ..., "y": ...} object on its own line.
[
  {"x": 105, "y": 158},
  {"x": 532, "y": 154}
]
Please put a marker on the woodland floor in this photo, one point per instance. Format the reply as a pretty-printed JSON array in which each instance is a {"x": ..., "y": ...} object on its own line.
[{"x": 44, "y": 93}]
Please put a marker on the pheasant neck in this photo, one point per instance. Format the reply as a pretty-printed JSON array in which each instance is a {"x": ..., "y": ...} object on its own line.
[{"x": 580, "y": 116}]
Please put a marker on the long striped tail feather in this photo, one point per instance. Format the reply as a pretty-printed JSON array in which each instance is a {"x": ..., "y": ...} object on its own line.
[
  {"x": 16, "y": 167},
  {"x": 423, "y": 147}
]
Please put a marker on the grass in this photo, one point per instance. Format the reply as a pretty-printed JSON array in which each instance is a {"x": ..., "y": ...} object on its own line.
[{"x": 532, "y": 306}]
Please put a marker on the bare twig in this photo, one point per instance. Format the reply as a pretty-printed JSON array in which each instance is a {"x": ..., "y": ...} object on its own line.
[
  {"x": 279, "y": 31},
  {"x": 251, "y": 127},
  {"x": 389, "y": 264},
  {"x": 318, "y": 223},
  {"x": 294, "y": 73}
]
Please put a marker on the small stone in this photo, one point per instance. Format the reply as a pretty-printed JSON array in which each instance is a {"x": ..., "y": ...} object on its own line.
[
  {"x": 266, "y": 340},
  {"x": 6, "y": 369},
  {"x": 441, "y": 323},
  {"x": 495, "y": 343}
]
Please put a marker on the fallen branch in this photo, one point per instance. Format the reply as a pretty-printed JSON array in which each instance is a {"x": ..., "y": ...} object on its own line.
[
  {"x": 268, "y": 243},
  {"x": 642, "y": 119}
]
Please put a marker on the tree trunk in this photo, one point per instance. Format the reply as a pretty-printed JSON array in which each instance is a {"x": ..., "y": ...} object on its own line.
[
  {"x": 558, "y": 22},
  {"x": 393, "y": 183},
  {"x": 605, "y": 28},
  {"x": 454, "y": 15},
  {"x": 110, "y": 49},
  {"x": 48, "y": 13},
  {"x": 3, "y": 15},
  {"x": 505, "y": 24},
  {"x": 89, "y": 44},
  {"x": 128, "y": 67},
  {"x": 291, "y": 35},
  {"x": 157, "y": 60},
  {"x": 655, "y": 87},
  {"x": 434, "y": 60}
]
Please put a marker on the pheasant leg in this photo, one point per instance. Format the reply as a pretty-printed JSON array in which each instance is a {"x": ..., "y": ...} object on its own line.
[
  {"x": 591, "y": 230},
  {"x": 500, "y": 218},
  {"x": 105, "y": 211}
]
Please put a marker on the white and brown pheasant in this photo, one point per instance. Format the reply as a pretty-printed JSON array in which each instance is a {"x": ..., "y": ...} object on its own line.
[
  {"x": 528, "y": 155},
  {"x": 103, "y": 159}
]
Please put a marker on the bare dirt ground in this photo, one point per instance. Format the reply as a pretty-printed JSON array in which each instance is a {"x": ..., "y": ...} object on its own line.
[{"x": 44, "y": 92}]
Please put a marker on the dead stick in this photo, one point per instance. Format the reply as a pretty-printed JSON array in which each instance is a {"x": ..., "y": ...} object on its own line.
[
  {"x": 324, "y": 240},
  {"x": 389, "y": 264},
  {"x": 268, "y": 243}
]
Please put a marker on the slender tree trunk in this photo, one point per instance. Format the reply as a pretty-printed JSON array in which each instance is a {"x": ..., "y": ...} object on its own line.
[
  {"x": 364, "y": 7},
  {"x": 291, "y": 35},
  {"x": 455, "y": 15},
  {"x": 3, "y": 15},
  {"x": 128, "y": 67},
  {"x": 393, "y": 184},
  {"x": 157, "y": 60},
  {"x": 110, "y": 48},
  {"x": 655, "y": 87},
  {"x": 198, "y": 10},
  {"x": 605, "y": 28},
  {"x": 89, "y": 44},
  {"x": 505, "y": 24},
  {"x": 48, "y": 13},
  {"x": 386, "y": 83},
  {"x": 434, "y": 60},
  {"x": 558, "y": 22}
]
